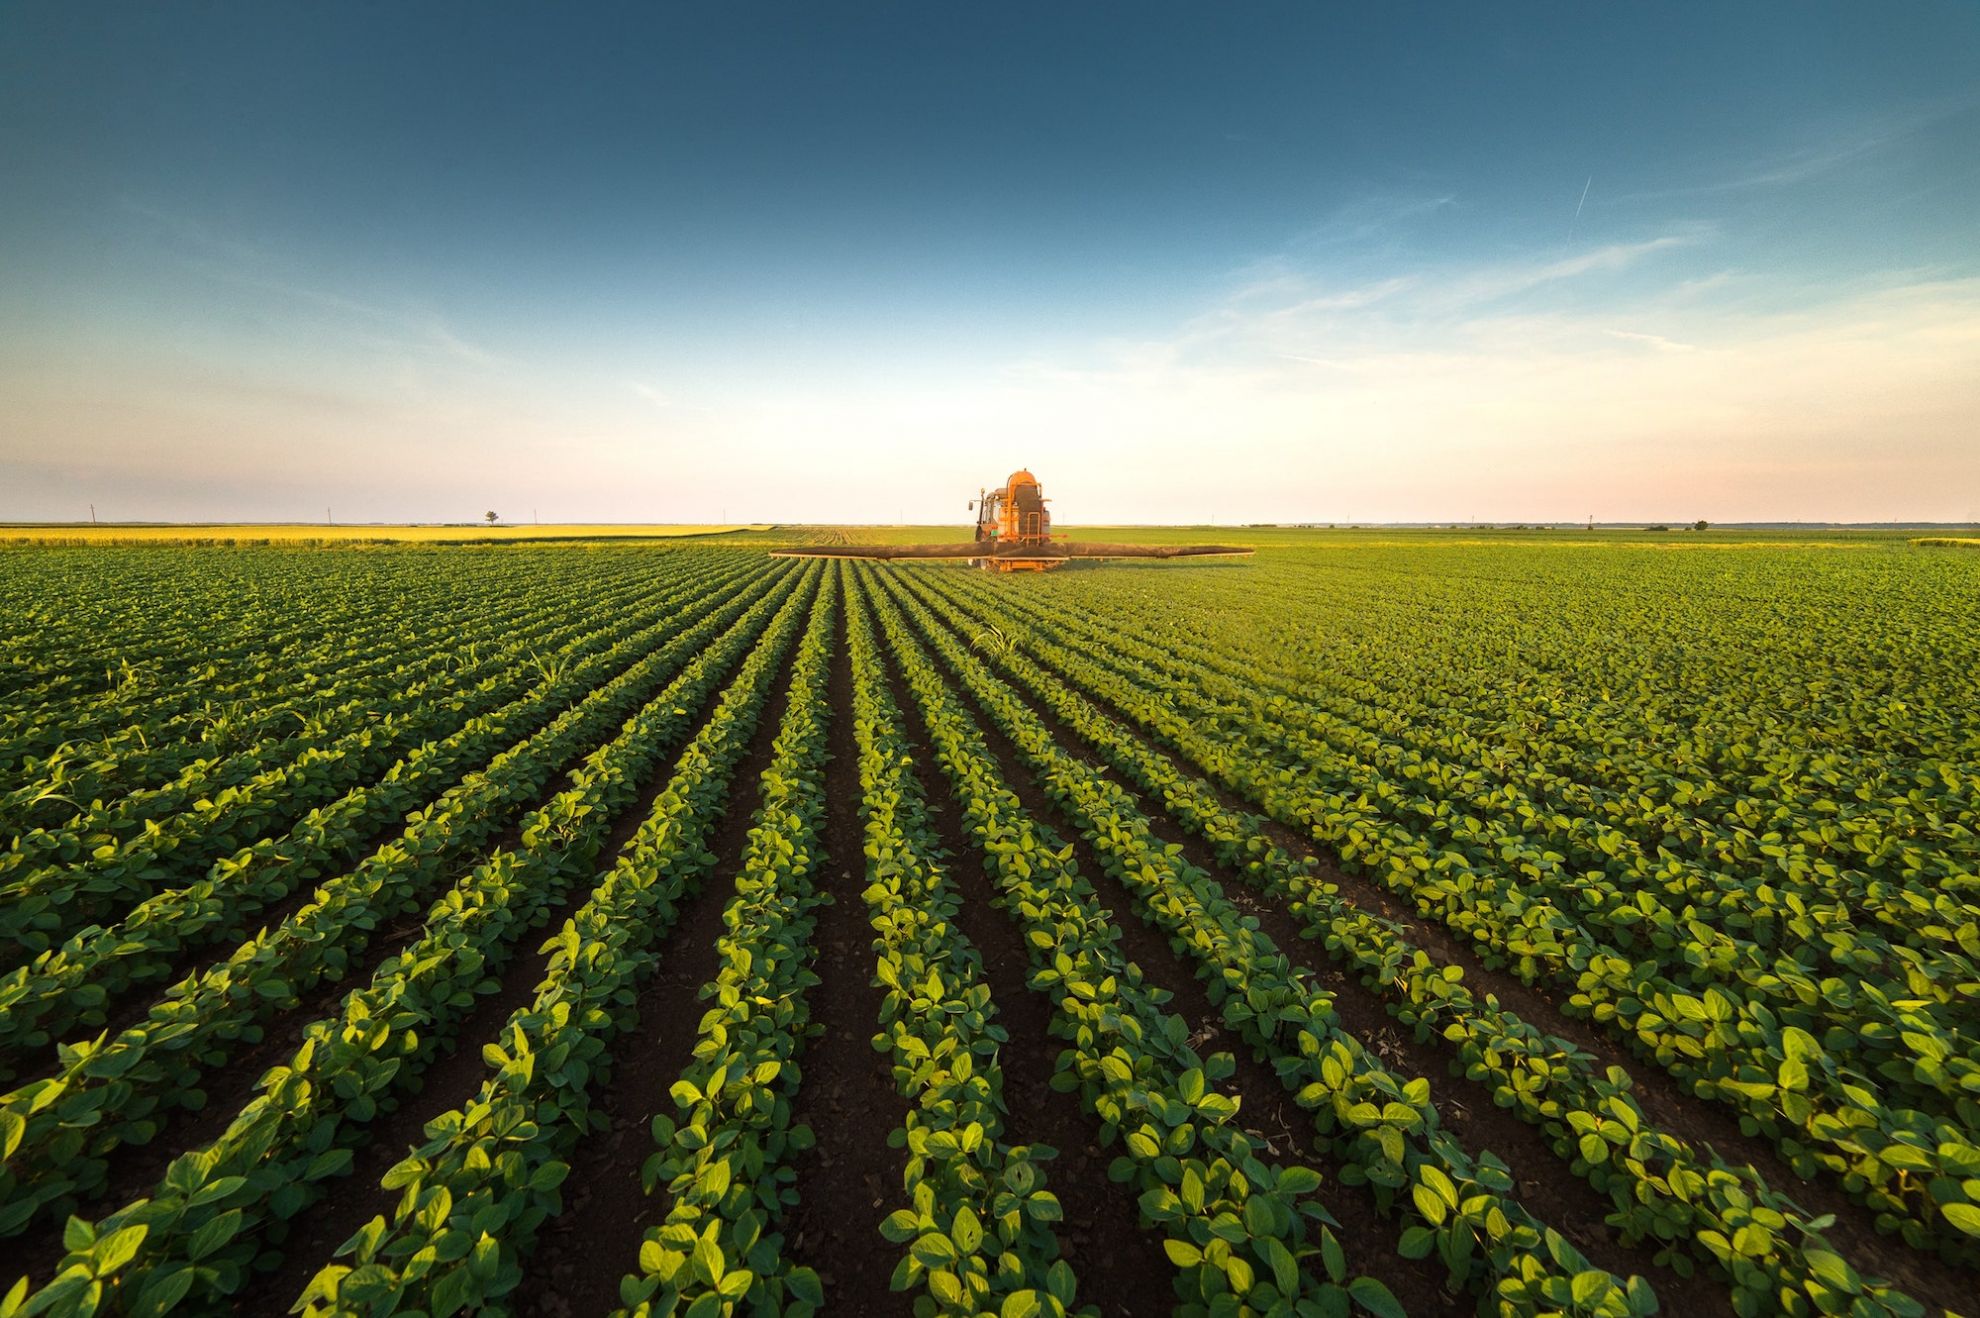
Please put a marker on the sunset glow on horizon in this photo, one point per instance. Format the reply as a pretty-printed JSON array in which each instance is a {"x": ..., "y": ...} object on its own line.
[{"x": 846, "y": 264}]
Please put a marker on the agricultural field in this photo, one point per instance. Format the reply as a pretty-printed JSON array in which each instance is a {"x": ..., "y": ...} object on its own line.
[
  {"x": 1389, "y": 923},
  {"x": 364, "y": 533}
]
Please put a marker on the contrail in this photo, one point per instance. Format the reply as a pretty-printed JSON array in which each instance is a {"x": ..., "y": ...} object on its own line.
[{"x": 1577, "y": 209}]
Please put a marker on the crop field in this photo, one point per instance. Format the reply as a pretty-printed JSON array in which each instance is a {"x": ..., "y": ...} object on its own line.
[
  {"x": 1391, "y": 923},
  {"x": 297, "y": 533}
]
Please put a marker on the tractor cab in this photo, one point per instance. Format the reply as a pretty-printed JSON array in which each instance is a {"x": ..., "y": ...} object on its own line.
[
  {"x": 1013, "y": 516},
  {"x": 1013, "y": 534}
]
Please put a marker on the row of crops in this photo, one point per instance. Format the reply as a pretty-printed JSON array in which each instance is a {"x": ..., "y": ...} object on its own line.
[{"x": 1518, "y": 929}]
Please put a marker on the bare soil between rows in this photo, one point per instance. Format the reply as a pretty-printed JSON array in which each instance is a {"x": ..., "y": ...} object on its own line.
[
  {"x": 1101, "y": 1236},
  {"x": 1664, "y": 1098},
  {"x": 1266, "y": 1113},
  {"x": 134, "y": 1169},
  {"x": 1466, "y": 1107},
  {"x": 851, "y": 1178},
  {"x": 583, "y": 1252}
]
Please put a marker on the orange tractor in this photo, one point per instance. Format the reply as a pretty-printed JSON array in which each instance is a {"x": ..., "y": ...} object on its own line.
[
  {"x": 1012, "y": 516},
  {"x": 1014, "y": 534}
]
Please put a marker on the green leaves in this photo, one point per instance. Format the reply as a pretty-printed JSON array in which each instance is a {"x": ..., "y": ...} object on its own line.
[
  {"x": 967, "y": 1231},
  {"x": 1509, "y": 894},
  {"x": 1966, "y": 1217},
  {"x": 985, "y": 1198},
  {"x": 934, "y": 1250},
  {"x": 721, "y": 1156},
  {"x": 1589, "y": 1287},
  {"x": 1376, "y": 1298},
  {"x": 1298, "y": 1181},
  {"x": 1832, "y": 1271},
  {"x": 350, "y": 1063},
  {"x": 113, "y": 1251},
  {"x": 1249, "y": 1234},
  {"x": 1727, "y": 891},
  {"x": 707, "y": 1261}
]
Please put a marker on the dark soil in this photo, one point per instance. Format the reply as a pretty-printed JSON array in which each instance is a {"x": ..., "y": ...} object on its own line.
[
  {"x": 452, "y": 1078},
  {"x": 849, "y": 1180},
  {"x": 1566, "y": 1202},
  {"x": 1665, "y": 1099},
  {"x": 128, "y": 1005},
  {"x": 134, "y": 1169},
  {"x": 1266, "y": 1111},
  {"x": 1102, "y": 1236},
  {"x": 577, "y": 1261}
]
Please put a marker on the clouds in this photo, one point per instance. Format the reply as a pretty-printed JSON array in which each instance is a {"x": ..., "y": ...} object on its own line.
[
  {"x": 651, "y": 395},
  {"x": 279, "y": 284},
  {"x": 1656, "y": 341},
  {"x": 1398, "y": 333},
  {"x": 1637, "y": 379},
  {"x": 1308, "y": 317},
  {"x": 1687, "y": 397},
  {"x": 1836, "y": 146},
  {"x": 1507, "y": 391}
]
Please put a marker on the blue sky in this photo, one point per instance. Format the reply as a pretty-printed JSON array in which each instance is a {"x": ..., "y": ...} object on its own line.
[{"x": 807, "y": 262}]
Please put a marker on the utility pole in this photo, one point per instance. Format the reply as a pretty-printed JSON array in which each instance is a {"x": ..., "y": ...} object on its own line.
[
  {"x": 92, "y": 514},
  {"x": 328, "y": 520}
]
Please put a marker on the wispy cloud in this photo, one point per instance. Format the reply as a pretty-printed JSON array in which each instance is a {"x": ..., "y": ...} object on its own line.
[
  {"x": 1373, "y": 216},
  {"x": 1623, "y": 379},
  {"x": 1304, "y": 318},
  {"x": 650, "y": 394},
  {"x": 1353, "y": 299},
  {"x": 437, "y": 333},
  {"x": 232, "y": 259},
  {"x": 1652, "y": 340},
  {"x": 1373, "y": 221},
  {"x": 1508, "y": 279},
  {"x": 1839, "y": 148},
  {"x": 1331, "y": 363}
]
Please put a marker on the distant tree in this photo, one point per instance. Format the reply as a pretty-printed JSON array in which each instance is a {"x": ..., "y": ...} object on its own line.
[
  {"x": 1700, "y": 524},
  {"x": 491, "y": 517}
]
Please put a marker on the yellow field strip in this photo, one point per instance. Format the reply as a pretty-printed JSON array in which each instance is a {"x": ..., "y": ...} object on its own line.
[{"x": 299, "y": 533}]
